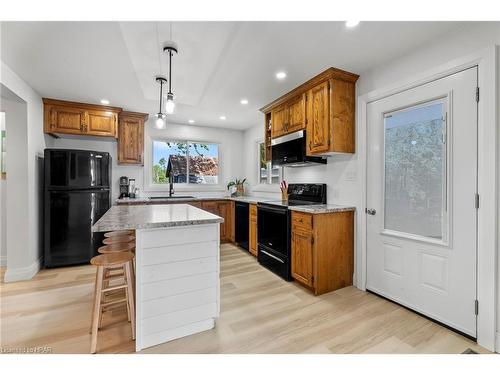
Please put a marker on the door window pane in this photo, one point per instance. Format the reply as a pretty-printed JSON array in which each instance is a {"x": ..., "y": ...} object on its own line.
[{"x": 415, "y": 170}]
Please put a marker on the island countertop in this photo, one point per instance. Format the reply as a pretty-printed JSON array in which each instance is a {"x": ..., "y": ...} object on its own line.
[{"x": 153, "y": 216}]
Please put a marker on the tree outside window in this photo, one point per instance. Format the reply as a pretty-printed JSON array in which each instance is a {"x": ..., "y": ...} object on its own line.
[{"x": 188, "y": 162}]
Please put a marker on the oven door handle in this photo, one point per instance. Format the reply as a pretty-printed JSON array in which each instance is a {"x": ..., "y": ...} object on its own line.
[
  {"x": 276, "y": 210},
  {"x": 272, "y": 256}
]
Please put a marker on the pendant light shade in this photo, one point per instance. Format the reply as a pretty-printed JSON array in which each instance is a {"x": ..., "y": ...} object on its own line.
[
  {"x": 160, "y": 116},
  {"x": 170, "y": 104}
]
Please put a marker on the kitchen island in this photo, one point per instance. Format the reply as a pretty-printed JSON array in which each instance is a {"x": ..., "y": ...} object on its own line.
[{"x": 177, "y": 268}]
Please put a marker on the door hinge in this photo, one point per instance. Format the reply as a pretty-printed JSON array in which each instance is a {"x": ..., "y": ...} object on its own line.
[
  {"x": 477, "y": 94},
  {"x": 312, "y": 240},
  {"x": 476, "y": 307},
  {"x": 476, "y": 200}
]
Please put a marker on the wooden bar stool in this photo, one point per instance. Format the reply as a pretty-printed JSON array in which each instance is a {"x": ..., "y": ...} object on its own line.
[
  {"x": 119, "y": 233},
  {"x": 118, "y": 239},
  {"x": 118, "y": 247},
  {"x": 103, "y": 263}
]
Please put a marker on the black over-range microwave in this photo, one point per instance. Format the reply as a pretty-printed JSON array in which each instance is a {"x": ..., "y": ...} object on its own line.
[{"x": 290, "y": 151}]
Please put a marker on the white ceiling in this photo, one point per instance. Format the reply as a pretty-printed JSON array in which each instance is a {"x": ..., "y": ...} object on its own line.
[{"x": 218, "y": 63}]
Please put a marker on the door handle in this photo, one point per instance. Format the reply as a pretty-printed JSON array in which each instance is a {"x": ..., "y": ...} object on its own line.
[{"x": 370, "y": 211}]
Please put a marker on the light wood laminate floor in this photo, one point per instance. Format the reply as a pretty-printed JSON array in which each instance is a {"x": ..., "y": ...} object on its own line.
[{"x": 261, "y": 313}]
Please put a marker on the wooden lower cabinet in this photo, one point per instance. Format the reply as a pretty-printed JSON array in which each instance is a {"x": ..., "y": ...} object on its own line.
[
  {"x": 252, "y": 231},
  {"x": 302, "y": 257},
  {"x": 323, "y": 250},
  {"x": 224, "y": 209}
]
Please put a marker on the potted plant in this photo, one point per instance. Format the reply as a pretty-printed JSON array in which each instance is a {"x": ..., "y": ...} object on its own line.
[{"x": 239, "y": 184}]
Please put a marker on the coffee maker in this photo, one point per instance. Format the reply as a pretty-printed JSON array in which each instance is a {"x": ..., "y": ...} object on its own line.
[{"x": 124, "y": 186}]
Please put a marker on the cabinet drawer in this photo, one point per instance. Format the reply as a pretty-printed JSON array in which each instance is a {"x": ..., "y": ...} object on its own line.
[{"x": 302, "y": 221}]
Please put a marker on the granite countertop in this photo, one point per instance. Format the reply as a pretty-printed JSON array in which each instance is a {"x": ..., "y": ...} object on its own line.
[
  {"x": 322, "y": 208},
  {"x": 153, "y": 216},
  {"x": 146, "y": 200},
  {"x": 250, "y": 199}
]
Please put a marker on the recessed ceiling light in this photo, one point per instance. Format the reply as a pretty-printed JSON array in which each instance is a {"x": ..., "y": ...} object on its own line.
[
  {"x": 191, "y": 121},
  {"x": 104, "y": 101},
  {"x": 281, "y": 75},
  {"x": 222, "y": 117},
  {"x": 244, "y": 101},
  {"x": 351, "y": 23}
]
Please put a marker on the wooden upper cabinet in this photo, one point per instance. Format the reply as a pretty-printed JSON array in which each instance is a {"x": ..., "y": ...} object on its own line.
[
  {"x": 324, "y": 106},
  {"x": 318, "y": 119},
  {"x": 131, "y": 138},
  {"x": 102, "y": 123},
  {"x": 63, "y": 117},
  {"x": 296, "y": 113},
  {"x": 279, "y": 121},
  {"x": 68, "y": 120},
  {"x": 289, "y": 117}
]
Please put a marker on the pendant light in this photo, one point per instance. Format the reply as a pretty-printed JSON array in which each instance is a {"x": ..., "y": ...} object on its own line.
[
  {"x": 160, "y": 116},
  {"x": 170, "y": 47}
]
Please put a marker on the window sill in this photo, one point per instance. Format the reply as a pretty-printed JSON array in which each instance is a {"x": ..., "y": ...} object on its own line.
[{"x": 164, "y": 188}]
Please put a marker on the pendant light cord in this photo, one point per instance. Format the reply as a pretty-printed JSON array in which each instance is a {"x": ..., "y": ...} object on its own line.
[
  {"x": 170, "y": 72},
  {"x": 161, "y": 95}
]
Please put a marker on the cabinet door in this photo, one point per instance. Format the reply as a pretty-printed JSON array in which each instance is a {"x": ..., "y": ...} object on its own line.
[
  {"x": 230, "y": 222},
  {"x": 279, "y": 121},
  {"x": 252, "y": 230},
  {"x": 297, "y": 114},
  {"x": 318, "y": 119},
  {"x": 302, "y": 257},
  {"x": 67, "y": 120},
  {"x": 223, "y": 209},
  {"x": 102, "y": 123},
  {"x": 131, "y": 141}
]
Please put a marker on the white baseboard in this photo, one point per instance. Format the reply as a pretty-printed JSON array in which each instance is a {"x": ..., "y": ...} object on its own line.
[{"x": 22, "y": 273}]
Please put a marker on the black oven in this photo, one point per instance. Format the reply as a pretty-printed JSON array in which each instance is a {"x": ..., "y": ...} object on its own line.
[{"x": 274, "y": 238}]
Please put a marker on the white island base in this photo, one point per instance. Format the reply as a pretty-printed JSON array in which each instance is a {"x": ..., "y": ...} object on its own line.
[{"x": 177, "y": 282}]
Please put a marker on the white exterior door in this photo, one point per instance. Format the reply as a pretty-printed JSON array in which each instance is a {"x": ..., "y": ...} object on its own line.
[{"x": 421, "y": 199}]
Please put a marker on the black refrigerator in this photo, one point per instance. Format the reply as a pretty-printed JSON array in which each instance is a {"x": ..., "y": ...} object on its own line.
[{"x": 77, "y": 193}]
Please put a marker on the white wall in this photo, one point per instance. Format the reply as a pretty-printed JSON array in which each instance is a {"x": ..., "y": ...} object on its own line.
[
  {"x": 230, "y": 151},
  {"x": 24, "y": 206},
  {"x": 342, "y": 173},
  {"x": 3, "y": 209}
]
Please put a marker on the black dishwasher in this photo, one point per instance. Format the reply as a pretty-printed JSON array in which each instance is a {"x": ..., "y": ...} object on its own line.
[{"x": 241, "y": 224}]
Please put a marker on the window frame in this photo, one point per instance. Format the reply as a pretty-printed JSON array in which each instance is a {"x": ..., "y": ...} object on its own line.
[
  {"x": 446, "y": 225},
  {"x": 269, "y": 185},
  {"x": 179, "y": 186}
]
